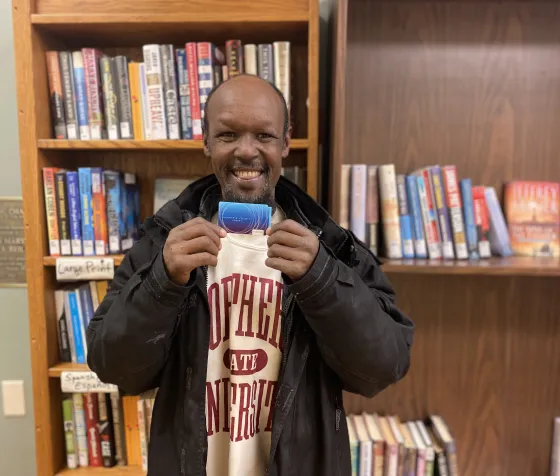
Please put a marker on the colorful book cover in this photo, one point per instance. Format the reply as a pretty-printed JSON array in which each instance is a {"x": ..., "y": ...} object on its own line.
[
  {"x": 88, "y": 236},
  {"x": 74, "y": 212},
  {"x": 184, "y": 94},
  {"x": 407, "y": 236},
  {"x": 468, "y": 212},
  {"x": 81, "y": 429},
  {"x": 455, "y": 207},
  {"x": 49, "y": 189},
  {"x": 498, "y": 234},
  {"x": 94, "y": 93},
  {"x": 99, "y": 207},
  {"x": 482, "y": 221},
  {"x": 428, "y": 216},
  {"x": 81, "y": 95},
  {"x": 62, "y": 212},
  {"x": 91, "y": 406},
  {"x": 442, "y": 213},
  {"x": 420, "y": 249},
  {"x": 77, "y": 333},
  {"x": 372, "y": 208},
  {"x": 358, "y": 202},
  {"x": 70, "y": 441},
  {"x": 389, "y": 205},
  {"x": 194, "y": 94},
  {"x": 56, "y": 97},
  {"x": 114, "y": 212},
  {"x": 532, "y": 212}
]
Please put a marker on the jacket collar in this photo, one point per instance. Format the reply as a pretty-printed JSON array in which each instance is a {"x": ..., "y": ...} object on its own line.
[{"x": 201, "y": 198}]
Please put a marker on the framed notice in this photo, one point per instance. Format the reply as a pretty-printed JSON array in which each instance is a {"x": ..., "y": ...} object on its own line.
[{"x": 12, "y": 243}]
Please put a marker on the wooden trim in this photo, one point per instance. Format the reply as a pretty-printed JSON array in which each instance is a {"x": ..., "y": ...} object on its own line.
[
  {"x": 160, "y": 145},
  {"x": 56, "y": 370},
  {"x": 114, "y": 471},
  {"x": 51, "y": 260},
  {"x": 338, "y": 123},
  {"x": 313, "y": 97}
]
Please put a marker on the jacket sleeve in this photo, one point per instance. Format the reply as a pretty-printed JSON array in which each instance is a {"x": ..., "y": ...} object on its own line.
[
  {"x": 130, "y": 335},
  {"x": 361, "y": 333}
]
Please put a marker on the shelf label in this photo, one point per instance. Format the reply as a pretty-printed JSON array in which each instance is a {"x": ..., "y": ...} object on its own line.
[
  {"x": 84, "y": 382},
  {"x": 84, "y": 268}
]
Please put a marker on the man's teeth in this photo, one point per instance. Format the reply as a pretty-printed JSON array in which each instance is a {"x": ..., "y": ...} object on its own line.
[{"x": 247, "y": 173}]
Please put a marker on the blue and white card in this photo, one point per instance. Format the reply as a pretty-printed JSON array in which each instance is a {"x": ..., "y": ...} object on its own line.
[{"x": 244, "y": 218}]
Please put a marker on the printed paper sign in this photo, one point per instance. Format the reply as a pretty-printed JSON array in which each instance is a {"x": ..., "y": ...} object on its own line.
[
  {"x": 84, "y": 382},
  {"x": 84, "y": 268}
]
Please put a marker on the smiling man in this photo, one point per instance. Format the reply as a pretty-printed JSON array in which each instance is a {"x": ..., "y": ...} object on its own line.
[{"x": 250, "y": 339}]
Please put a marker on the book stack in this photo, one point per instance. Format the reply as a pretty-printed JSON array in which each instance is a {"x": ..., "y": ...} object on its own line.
[
  {"x": 96, "y": 96},
  {"x": 385, "y": 446},
  {"x": 429, "y": 213},
  {"x": 91, "y": 211},
  {"x": 107, "y": 429}
]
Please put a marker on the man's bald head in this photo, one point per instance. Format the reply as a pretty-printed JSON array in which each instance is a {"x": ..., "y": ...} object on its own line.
[{"x": 250, "y": 81}]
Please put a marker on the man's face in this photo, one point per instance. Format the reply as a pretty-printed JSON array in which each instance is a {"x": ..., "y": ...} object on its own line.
[{"x": 245, "y": 139}]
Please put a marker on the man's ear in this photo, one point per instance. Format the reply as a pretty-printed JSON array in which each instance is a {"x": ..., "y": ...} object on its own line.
[
  {"x": 286, "y": 145},
  {"x": 205, "y": 142}
]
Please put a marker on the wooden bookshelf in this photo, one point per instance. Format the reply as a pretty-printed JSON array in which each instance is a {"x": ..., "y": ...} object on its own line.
[
  {"x": 477, "y": 85},
  {"x": 122, "y": 27},
  {"x": 51, "y": 260},
  {"x": 56, "y": 370}
]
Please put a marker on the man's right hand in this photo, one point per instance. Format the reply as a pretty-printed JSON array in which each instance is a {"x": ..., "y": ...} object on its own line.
[{"x": 190, "y": 245}]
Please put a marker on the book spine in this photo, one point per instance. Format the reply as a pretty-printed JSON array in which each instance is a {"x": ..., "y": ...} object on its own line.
[
  {"x": 498, "y": 235},
  {"x": 358, "y": 203},
  {"x": 49, "y": 189},
  {"x": 147, "y": 131},
  {"x": 142, "y": 431},
  {"x": 407, "y": 236},
  {"x": 234, "y": 57},
  {"x": 442, "y": 213},
  {"x": 110, "y": 98},
  {"x": 184, "y": 94},
  {"x": 388, "y": 198},
  {"x": 372, "y": 208},
  {"x": 113, "y": 191},
  {"x": 118, "y": 428},
  {"x": 69, "y": 326},
  {"x": 481, "y": 220},
  {"x": 99, "y": 207},
  {"x": 136, "y": 100},
  {"x": 378, "y": 458},
  {"x": 455, "y": 207},
  {"x": 132, "y": 210},
  {"x": 205, "y": 56},
  {"x": 69, "y": 433},
  {"x": 428, "y": 217},
  {"x": 67, "y": 73},
  {"x": 106, "y": 432},
  {"x": 62, "y": 330},
  {"x": 266, "y": 62},
  {"x": 282, "y": 61},
  {"x": 345, "y": 187},
  {"x": 123, "y": 225},
  {"x": 420, "y": 250},
  {"x": 468, "y": 212},
  {"x": 194, "y": 95},
  {"x": 88, "y": 236},
  {"x": 74, "y": 212},
  {"x": 124, "y": 110},
  {"x": 56, "y": 96},
  {"x": 92, "y": 424},
  {"x": 62, "y": 213},
  {"x": 76, "y": 327},
  {"x": 81, "y": 429},
  {"x": 421, "y": 462},
  {"x": 154, "y": 90},
  {"x": 94, "y": 92},
  {"x": 170, "y": 91},
  {"x": 81, "y": 95},
  {"x": 250, "y": 58},
  {"x": 86, "y": 304}
]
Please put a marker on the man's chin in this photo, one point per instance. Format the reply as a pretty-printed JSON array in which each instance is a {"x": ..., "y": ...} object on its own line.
[{"x": 242, "y": 196}]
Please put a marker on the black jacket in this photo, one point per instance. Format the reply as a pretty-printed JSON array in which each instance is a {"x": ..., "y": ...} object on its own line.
[{"x": 340, "y": 324}]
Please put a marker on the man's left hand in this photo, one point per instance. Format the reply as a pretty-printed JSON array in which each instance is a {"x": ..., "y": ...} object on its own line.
[{"x": 292, "y": 249}]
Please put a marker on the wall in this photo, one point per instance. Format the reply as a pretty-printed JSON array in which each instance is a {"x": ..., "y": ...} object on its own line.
[{"x": 17, "y": 445}]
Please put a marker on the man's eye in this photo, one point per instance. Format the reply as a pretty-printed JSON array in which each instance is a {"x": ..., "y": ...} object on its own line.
[
  {"x": 263, "y": 136},
  {"x": 226, "y": 135}
]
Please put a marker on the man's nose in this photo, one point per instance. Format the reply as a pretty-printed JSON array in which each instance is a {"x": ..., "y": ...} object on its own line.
[{"x": 246, "y": 147}]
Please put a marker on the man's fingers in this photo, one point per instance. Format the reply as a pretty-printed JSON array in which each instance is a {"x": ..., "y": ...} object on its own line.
[
  {"x": 285, "y": 252},
  {"x": 289, "y": 226},
  {"x": 199, "y": 245},
  {"x": 195, "y": 231},
  {"x": 289, "y": 268},
  {"x": 200, "y": 259},
  {"x": 196, "y": 222}
]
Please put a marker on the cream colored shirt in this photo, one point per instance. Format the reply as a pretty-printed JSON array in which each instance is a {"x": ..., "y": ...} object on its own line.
[{"x": 245, "y": 298}]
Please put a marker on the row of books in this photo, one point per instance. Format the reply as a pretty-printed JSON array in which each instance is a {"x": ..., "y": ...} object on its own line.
[
  {"x": 75, "y": 306},
  {"x": 382, "y": 445},
  {"x": 97, "y": 96},
  {"x": 91, "y": 211},
  {"x": 430, "y": 213},
  {"x": 107, "y": 429}
]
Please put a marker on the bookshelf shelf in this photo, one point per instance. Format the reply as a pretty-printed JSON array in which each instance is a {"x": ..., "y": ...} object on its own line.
[
  {"x": 115, "y": 471},
  {"x": 51, "y": 260},
  {"x": 514, "y": 266},
  {"x": 159, "y": 145},
  {"x": 57, "y": 370}
]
